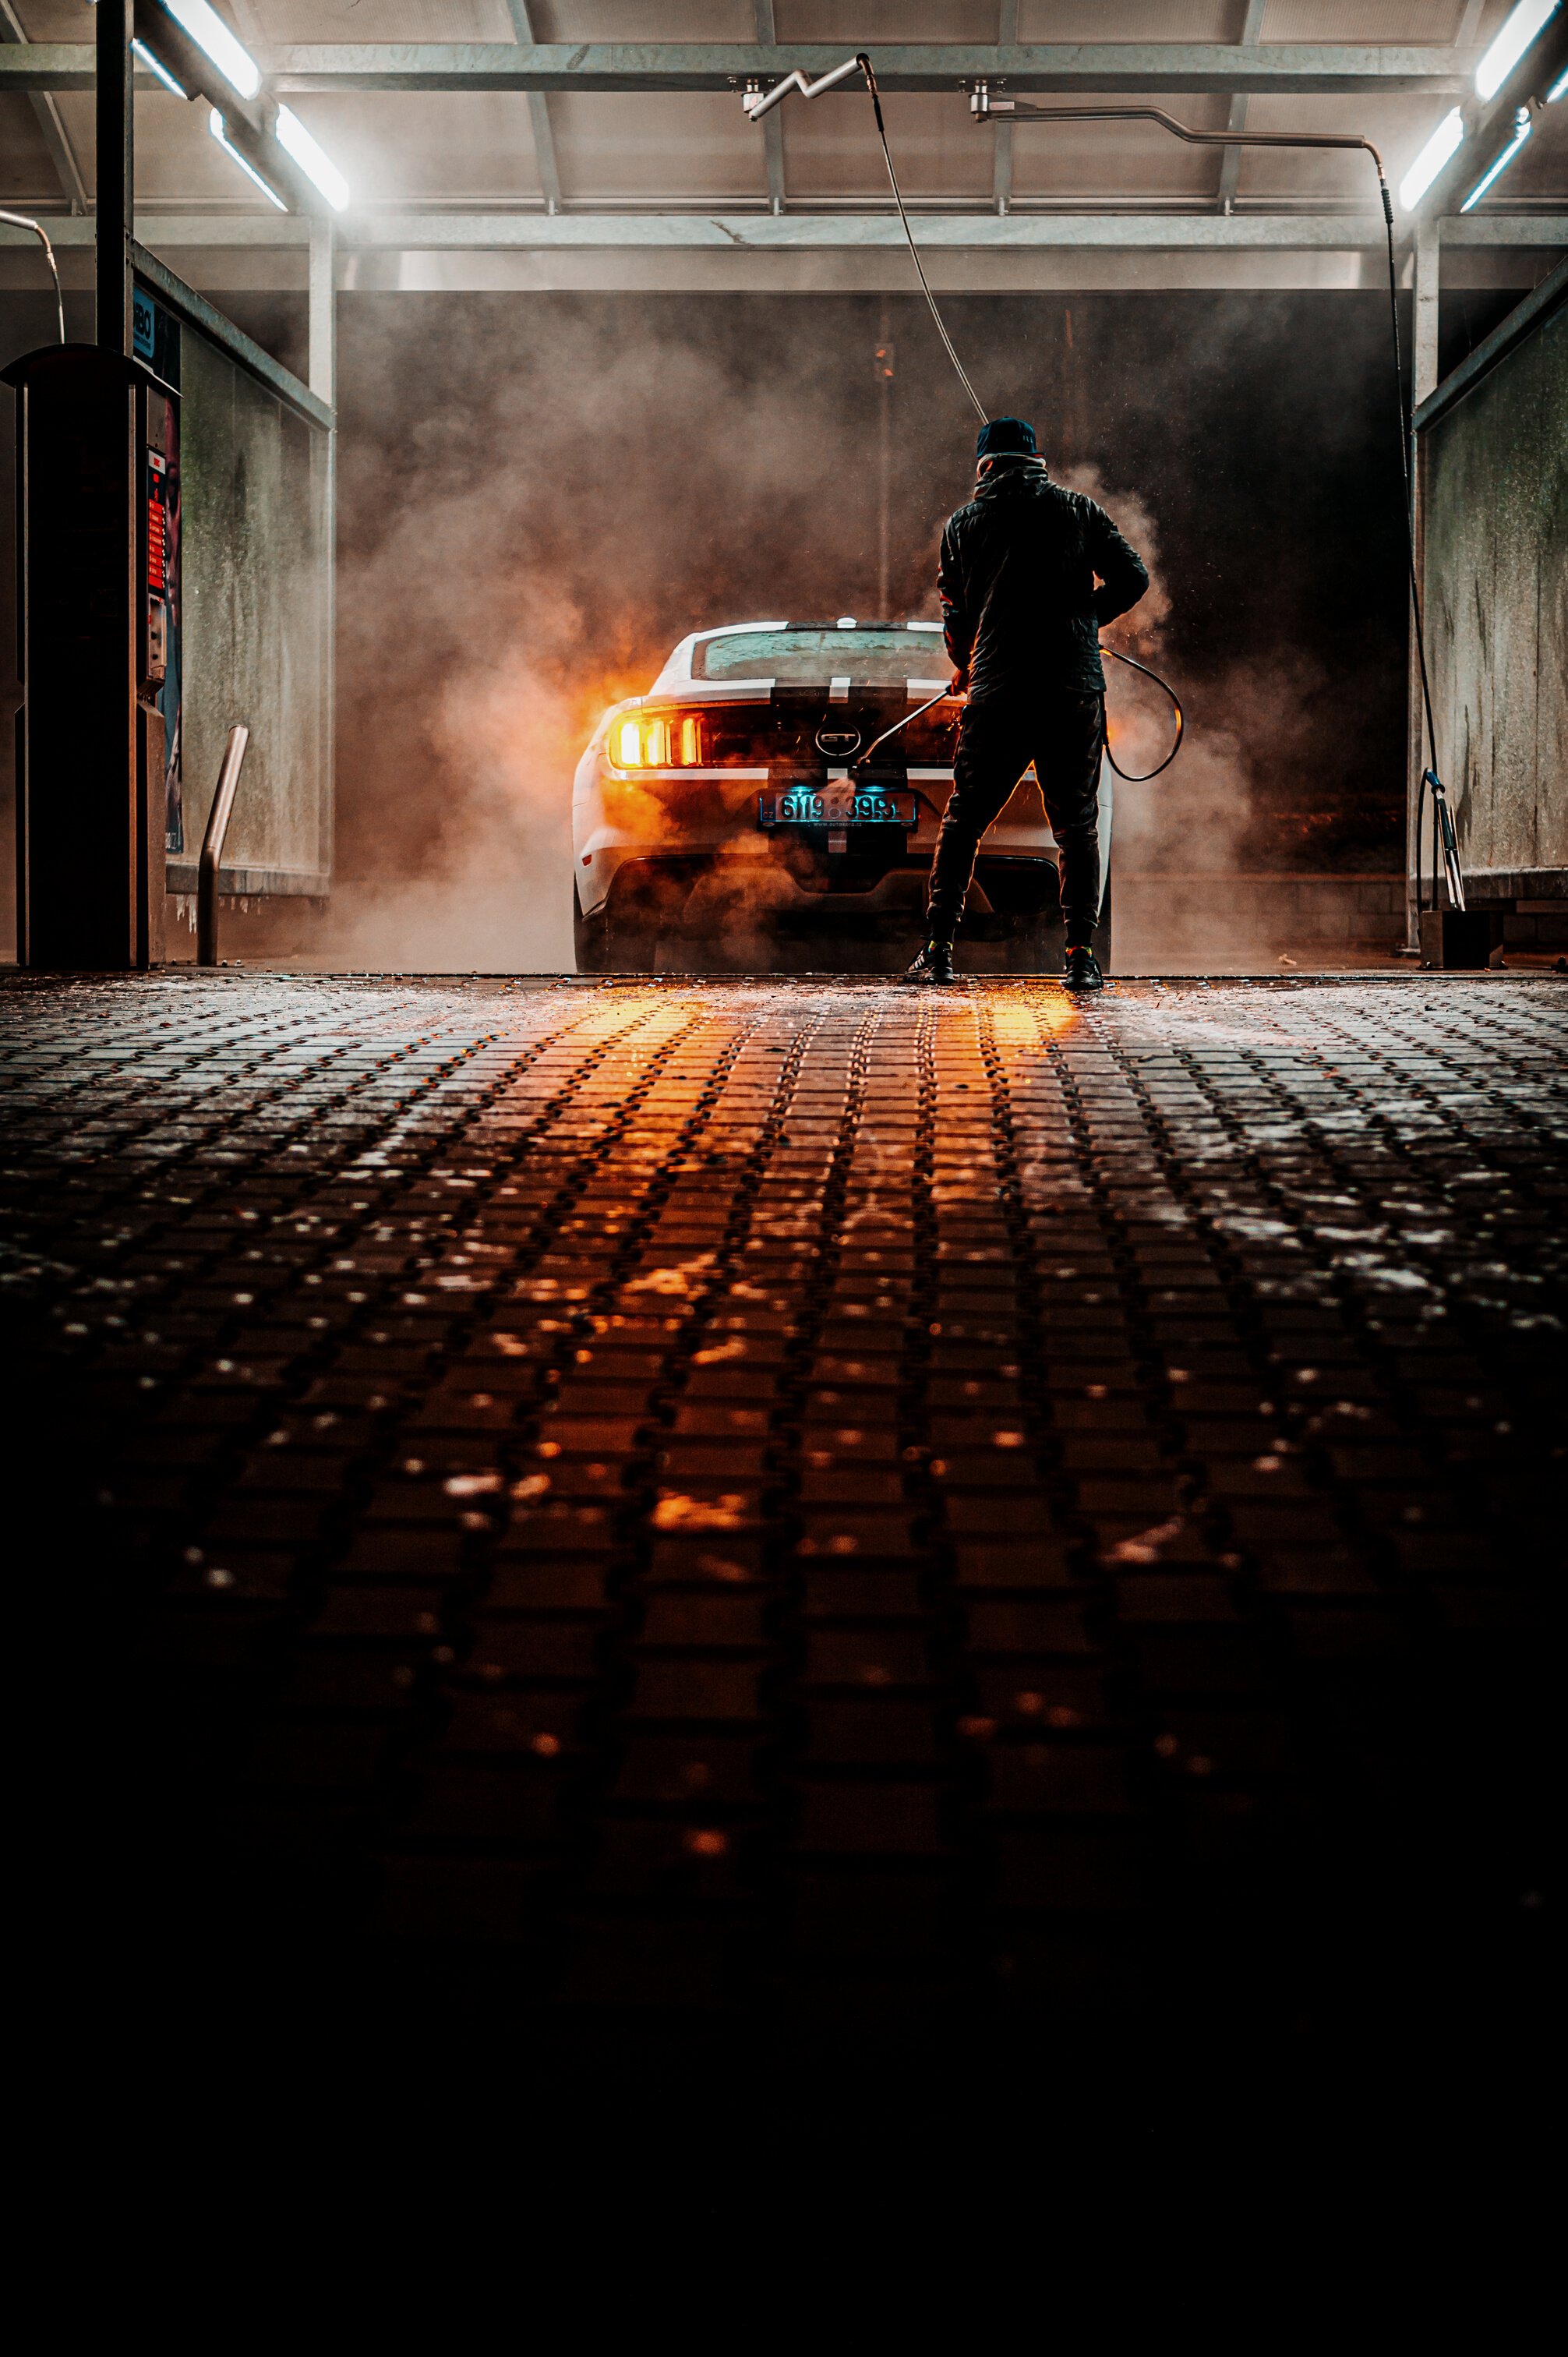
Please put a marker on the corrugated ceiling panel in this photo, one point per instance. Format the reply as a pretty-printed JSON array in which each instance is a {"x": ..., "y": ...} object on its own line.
[
  {"x": 25, "y": 171},
  {"x": 177, "y": 163},
  {"x": 1429, "y": 23},
  {"x": 1117, "y": 162},
  {"x": 54, "y": 20},
  {"x": 830, "y": 150},
  {"x": 1396, "y": 124},
  {"x": 474, "y": 146},
  {"x": 387, "y": 20},
  {"x": 859, "y": 22},
  {"x": 686, "y": 144},
  {"x": 1130, "y": 20},
  {"x": 642, "y": 20}
]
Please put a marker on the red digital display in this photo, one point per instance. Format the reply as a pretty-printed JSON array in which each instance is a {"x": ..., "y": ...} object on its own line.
[{"x": 157, "y": 542}]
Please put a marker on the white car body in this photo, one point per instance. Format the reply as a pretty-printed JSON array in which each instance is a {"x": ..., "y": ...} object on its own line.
[{"x": 725, "y": 741}]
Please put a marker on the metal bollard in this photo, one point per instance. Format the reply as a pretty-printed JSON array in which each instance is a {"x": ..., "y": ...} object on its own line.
[{"x": 212, "y": 846}]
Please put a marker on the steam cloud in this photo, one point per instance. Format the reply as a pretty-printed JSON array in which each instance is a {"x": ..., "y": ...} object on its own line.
[{"x": 539, "y": 495}]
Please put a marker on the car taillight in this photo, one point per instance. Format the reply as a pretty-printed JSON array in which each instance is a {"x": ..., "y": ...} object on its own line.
[{"x": 658, "y": 741}]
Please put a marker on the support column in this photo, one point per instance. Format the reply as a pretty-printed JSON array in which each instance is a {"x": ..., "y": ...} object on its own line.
[
  {"x": 1001, "y": 170},
  {"x": 1425, "y": 268},
  {"x": 1230, "y": 169},
  {"x": 114, "y": 202},
  {"x": 321, "y": 364},
  {"x": 772, "y": 124},
  {"x": 321, "y": 374}
]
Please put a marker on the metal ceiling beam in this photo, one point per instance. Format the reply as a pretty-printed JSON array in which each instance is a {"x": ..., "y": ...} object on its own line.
[
  {"x": 796, "y": 232},
  {"x": 47, "y": 115},
  {"x": 1002, "y": 167},
  {"x": 1230, "y": 169},
  {"x": 1283, "y": 69},
  {"x": 772, "y": 124},
  {"x": 538, "y": 116},
  {"x": 992, "y": 232}
]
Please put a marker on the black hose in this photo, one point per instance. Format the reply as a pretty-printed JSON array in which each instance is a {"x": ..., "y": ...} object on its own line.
[
  {"x": 1025, "y": 114},
  {"x": 864, "y": 62},
  {"x": 1141, "y": 777},
  {"x": 1132, "y": 777}
]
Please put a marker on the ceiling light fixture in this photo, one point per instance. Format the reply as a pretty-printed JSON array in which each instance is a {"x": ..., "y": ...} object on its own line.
[
  {"x": 1500, "y": 164},
  {"x": 1511, "y": 43},
  {"x": 219, "y": 130},
  {"x": 212, "y": 36},
  {"x": 312, "y": 160},
  {"x": 1443, "y": 142},
  {"x": 157, "y": 66}
]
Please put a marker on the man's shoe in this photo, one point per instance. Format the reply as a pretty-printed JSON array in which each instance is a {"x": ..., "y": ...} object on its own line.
[
  {"x": 1083, "y": 970},
  {"x": 934, "y": 963}
]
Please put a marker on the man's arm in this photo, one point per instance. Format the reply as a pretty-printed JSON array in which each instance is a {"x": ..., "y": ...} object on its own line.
[
  {"x": 958, "y": 628},
  {"x": 1123, "y": 575}
]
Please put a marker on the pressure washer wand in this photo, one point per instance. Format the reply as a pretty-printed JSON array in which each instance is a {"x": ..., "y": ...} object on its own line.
[
  {"x": 862, "y": 759},
  {"x": 22, "y": 221}
]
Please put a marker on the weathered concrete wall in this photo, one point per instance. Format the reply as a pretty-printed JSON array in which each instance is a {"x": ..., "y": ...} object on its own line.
[
  {"x": 1496, "y": 509},
  {"x": 257, "y": 617}
]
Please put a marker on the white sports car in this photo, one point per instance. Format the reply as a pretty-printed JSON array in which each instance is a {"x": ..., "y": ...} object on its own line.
[{"x": 715, "y": 819}]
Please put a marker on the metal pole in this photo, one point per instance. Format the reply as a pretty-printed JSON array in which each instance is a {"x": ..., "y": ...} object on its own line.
[
  {"x": 212, "y": 846},
  {"x": 114, "y": 203},
  {"x": 883, "y": 458},
  {"x": 1426, "y": 267}
]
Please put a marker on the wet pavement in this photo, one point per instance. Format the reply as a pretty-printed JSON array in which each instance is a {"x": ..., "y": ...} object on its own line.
[{"x": 803, "y": 1512}]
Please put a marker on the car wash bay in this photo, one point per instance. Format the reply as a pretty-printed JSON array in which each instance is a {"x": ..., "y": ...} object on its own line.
[{"x": 755, "y": 1515}]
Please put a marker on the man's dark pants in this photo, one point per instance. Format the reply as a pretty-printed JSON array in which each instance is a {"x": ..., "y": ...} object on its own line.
[{"x": 1062, "y": 733}]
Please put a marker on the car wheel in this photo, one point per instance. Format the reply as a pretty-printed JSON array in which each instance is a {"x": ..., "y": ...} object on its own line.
[{"x": 590, "y": 937}]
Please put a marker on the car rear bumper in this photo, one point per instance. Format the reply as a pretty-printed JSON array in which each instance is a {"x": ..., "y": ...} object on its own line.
[{"x": 706, "y": 824}]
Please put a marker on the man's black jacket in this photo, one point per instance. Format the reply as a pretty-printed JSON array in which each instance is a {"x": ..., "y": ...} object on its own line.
[{"x": 1019, "y": 605}]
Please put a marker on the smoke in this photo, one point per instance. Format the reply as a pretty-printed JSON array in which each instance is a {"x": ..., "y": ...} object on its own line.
[
  {"x": 528, "y": 554},
  {"x": 540, "y": 494},
  {"x": 1178, "y": 835}
]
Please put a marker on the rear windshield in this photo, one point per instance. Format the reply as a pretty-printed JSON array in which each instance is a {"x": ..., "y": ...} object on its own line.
[{"x": 812, "y": 658}]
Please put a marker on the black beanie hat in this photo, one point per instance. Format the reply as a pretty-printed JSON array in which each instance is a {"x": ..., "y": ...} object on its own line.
[{"x": 1004, "y": 437}]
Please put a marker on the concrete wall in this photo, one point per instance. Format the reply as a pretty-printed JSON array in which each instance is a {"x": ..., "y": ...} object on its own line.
[
  {"x": 1167, "y": 922},
  {"x": 257, "y": 622},
  {"x": 1496, "y": 512}
]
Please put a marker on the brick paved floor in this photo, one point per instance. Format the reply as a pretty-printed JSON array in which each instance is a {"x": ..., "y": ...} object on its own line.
[{"x": 803, "y": 1507}]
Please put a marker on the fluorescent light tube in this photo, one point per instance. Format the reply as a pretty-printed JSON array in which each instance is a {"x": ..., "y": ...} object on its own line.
[
  {"x": 316, "y": 165},
  {"x": 155, "y": 65},
  {"x": 1517, "y": 33},
  {"x": 212, "y": 35},
  {"x": 218, "y": 129},
  {"x": 1500, "y": 164},
  {"x": 1432, "y": 158},
  {"x": 1558, "y": 87}
]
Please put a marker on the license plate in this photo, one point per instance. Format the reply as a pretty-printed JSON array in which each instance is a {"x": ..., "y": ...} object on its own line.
[{"x": 835, "y": 806}]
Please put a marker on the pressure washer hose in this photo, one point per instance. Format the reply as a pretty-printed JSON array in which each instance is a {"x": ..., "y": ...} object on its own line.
[
  {"x": 1132, "y": 777},
  {"x": 982, "y": 107}
]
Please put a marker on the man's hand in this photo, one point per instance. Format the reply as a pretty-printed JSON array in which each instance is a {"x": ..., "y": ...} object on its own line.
[{"x": 960, "y": 682}]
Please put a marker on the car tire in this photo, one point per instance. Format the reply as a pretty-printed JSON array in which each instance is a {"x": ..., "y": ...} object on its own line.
[{"x": 590, "y": 937}]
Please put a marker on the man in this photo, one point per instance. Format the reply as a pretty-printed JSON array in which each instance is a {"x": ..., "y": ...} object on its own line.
[{"x": 1022, "y": 614}]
